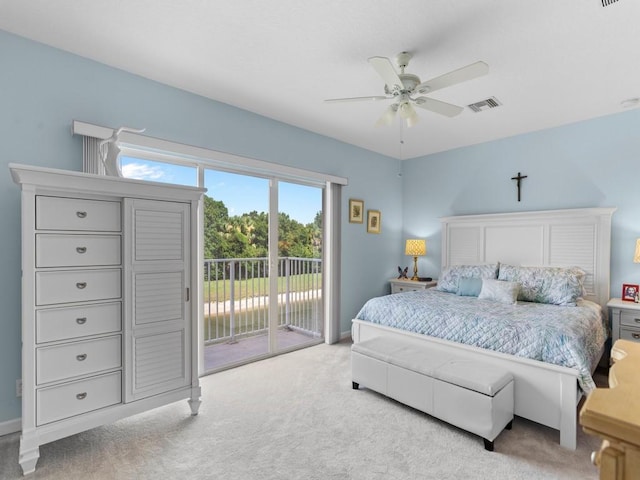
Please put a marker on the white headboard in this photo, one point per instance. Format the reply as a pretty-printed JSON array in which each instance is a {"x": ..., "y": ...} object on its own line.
[{"x": 560, "y": 238}]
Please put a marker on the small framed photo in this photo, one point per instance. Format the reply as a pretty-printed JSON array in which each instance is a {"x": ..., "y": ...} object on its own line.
[
  {"x": 373, "y": 221},
  {"x": 356, "y": 211},
  {"x": 629, "y": 292}
]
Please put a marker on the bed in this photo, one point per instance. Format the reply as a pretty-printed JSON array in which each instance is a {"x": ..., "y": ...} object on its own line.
[{"x": 549, "y": 385}]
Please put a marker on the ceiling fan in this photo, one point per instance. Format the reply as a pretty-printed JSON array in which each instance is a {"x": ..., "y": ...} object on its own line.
[{"x": 404, "y": 89}]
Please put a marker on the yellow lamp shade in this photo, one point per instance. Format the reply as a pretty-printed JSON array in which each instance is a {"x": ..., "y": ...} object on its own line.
[
  {"x": 636, "y": 256},
  {"x": 415, "y": 247}
]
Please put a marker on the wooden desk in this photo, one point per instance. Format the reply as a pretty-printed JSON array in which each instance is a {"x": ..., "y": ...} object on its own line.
[{"x": 614, "y": 415}]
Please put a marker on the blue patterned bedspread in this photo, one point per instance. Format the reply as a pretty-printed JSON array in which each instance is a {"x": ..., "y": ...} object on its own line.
[{"x": 568, "y": 336}]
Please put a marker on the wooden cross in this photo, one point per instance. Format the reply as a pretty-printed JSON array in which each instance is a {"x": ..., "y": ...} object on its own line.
[{"x": 517, "y": 179}]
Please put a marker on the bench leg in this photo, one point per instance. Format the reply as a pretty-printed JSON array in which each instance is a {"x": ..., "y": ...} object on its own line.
[
  {"x": 355, "y": 385},
  {"x": 509, "y": 425},
  {"x": 488, "y": 445}
]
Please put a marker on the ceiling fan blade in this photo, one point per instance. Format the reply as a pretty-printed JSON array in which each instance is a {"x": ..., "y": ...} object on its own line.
[
  {"x": 437, "y": 106},
  {"x": 457, "y": 76},
  {"x": 357, "y": 99},
  {"x": 388, "y": 116},
  {"x": 383, "y": 66}
]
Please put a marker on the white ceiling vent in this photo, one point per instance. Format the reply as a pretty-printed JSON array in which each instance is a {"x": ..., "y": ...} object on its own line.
[{"x": 485, "y": 104}]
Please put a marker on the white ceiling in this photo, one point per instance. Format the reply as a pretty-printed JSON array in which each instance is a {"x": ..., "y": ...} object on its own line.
[{"x": 552, "y": 62}]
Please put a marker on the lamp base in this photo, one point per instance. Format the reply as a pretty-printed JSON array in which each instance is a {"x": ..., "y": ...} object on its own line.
[{"x": 415, "y": 269}]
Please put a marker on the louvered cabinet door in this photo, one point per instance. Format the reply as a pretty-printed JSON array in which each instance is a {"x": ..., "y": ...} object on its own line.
[{"x": 157, "y": 297}]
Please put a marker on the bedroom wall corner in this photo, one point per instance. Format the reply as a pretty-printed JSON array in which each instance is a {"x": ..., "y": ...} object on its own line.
[{"x": 585, "y": 164}]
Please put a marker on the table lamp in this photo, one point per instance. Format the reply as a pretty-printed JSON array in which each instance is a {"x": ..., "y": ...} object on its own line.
[{"x": 415, "y": 248}]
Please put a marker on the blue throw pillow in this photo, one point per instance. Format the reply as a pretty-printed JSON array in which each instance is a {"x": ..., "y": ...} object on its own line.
[{"x": 469, "y": 287}]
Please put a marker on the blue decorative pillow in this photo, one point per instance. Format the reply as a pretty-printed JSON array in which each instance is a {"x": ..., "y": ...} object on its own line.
[
  {"x": 553, "y": 285},
  {"x": 448, "y": 281},
  {"x": 499, "y": 291},
  {"x": 469, "y": 287}
]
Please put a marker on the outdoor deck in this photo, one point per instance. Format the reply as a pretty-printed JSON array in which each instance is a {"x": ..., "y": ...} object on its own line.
[
  {"x": 220, "y": 356},
  {"x": 236, "y": 308}
]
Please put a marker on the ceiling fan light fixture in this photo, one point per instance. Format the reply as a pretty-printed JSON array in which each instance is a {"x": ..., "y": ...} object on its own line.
[
  {"x": 406, "y": 110},
  {"x": 412, "y": 120},
  {"x": 408, "y": 113},
  {"x": 388, "y": 116}
]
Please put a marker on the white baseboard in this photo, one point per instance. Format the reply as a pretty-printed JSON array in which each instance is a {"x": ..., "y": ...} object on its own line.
[
  {"x": 10, "y": 426},
  {"x": 345, "y": 335}
]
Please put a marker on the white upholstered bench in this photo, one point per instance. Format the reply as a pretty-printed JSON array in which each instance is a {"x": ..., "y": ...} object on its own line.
[{"x": 475, "y": 397}]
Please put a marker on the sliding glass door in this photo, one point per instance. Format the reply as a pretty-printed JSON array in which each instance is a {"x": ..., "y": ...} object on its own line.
[
  {"x": 263, "y": 278},
  {"x": 299, "y": 264}
]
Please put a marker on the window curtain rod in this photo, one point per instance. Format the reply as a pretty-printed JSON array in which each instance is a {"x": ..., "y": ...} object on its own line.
[{"x": 212, "y": 157}]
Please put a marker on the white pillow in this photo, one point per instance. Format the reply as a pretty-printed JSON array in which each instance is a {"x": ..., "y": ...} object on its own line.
[{"x": 499, "y": 291}]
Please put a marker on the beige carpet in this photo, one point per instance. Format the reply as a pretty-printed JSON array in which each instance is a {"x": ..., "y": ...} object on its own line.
[{"x": 296, "y": 417}]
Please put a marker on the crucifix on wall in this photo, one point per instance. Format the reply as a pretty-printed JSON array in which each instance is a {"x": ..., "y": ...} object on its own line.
[{"x": 518, "y": 180}]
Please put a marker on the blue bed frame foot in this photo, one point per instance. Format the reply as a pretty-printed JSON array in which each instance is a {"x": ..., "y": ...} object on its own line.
[{"x": 488, "y": 445}]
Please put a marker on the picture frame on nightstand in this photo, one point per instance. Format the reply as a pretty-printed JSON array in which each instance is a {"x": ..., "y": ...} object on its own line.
[{"x": 629, "y": 292}]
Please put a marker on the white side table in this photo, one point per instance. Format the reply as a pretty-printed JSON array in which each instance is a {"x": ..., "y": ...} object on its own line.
[
  {"x": 399, "y": 285},
  {"x": 625, "y": 320}
]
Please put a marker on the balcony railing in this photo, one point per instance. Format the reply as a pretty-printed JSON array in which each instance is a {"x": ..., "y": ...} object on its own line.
[{"x": 236, "y": 297}]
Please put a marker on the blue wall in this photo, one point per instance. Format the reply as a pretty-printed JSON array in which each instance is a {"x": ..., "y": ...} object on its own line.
[
  {"x": 43, "y": 89},
  {"x": 587, "y": 164}
]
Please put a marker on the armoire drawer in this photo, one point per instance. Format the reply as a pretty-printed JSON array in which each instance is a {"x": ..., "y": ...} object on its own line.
[
  {"x": 77, "y": 286},
  {"x": 66, "y": 323},
  {"x": 75, "y": 398},
  {"x": 57, "y": 213},
  {"x": 54, "y": 250},
  {"x": 70, "y": 360}
]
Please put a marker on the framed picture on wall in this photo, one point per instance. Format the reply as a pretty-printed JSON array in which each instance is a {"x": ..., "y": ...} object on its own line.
[
  {"x": 356, "y": 211},
  {"x": 629, "y": 292},
  {"x": 373, "y": 221}
]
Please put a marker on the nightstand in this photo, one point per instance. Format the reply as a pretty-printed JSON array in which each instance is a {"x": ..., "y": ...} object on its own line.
[
  {"x": 625, "y": 320},
  {"x": 399, "y": 285}
]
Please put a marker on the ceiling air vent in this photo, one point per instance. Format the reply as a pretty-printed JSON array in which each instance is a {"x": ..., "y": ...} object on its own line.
[
  {"x": 606, "y": 3},
  {"x": 485, "y": 104}
]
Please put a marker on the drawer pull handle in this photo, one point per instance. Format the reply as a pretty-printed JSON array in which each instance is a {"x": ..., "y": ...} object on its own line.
[
  {"x": 81, "y": 357},
  {"x": 81, "y": 320},
  {"x": 636, "y": 336},
  {"x": 81, "y": 396},
  {"x": 81, "y": 285},
  {"x": 81, "y": 249},
  {"x": 637, "y": 320},
  {"x": 81, "y": 214}
]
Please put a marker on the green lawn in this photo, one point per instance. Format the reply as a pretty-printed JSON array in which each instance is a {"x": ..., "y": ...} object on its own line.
[{"x": 220, "y": 290}]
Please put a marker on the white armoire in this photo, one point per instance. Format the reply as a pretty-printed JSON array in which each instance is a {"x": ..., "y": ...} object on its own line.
[{"x": 110, "y": 297}]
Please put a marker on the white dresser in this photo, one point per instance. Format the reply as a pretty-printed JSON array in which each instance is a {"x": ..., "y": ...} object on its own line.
[{"x": 110, "y": 295}]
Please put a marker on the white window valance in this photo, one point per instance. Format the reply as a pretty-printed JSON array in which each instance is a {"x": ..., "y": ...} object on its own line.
[{"x": 136, "y": 144}]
